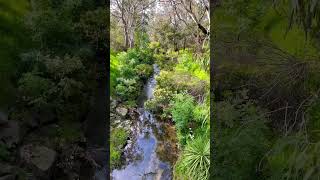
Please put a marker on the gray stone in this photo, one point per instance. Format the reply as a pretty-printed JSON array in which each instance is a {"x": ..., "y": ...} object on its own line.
[
  {"x": 10, "y": 133},
  {"x": 40, "y": 157},
  {"x": 8, "y": 177},
  {"x": 99, "y": 156},
  {"x": 3, "y": 118},
  {"x": 6, "y": 169},
  {"x": 113, "y": 104},
  {"x": 117, "y": 121},
  {"x": 122, "y": 111},
  {"x": 127, "y": 122},
  {"x": 47, "y": 116},
  {"x": 31, "y": 121}
]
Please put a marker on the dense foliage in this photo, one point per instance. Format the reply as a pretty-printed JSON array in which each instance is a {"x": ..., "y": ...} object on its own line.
[
  {"x": 266, "y": 119},
  {"x": 129, "y": 71},
  {"x": 181, "y": 96},
  {"x": 49, "y": 52},
  {"x": 173, "y": 35},
  {"x": 54, "y": 73}
]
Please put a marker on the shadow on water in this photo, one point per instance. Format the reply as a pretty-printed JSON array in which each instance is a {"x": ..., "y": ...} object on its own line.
[{"x": 142, "y": 160}]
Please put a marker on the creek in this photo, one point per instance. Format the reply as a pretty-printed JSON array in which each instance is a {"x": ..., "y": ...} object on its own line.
[{"x": 142, "y": 160}]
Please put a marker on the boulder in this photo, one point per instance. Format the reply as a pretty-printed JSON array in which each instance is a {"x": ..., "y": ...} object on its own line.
[
  {"x": 113, "y": 103},
  {"x": 75, "y": 163},
  {"x": 3, "y": 118},
  {"x": 8, "y": 177},
  {"x": 10, "y": 133},
  {"x": 99, "y": 155},
  {"x": 117, "y": 121},
  {"x": 31, "y": 120},
  {"x": 122, "y": 111},
  {"x": 7, "y": 172},
  {"x": 40, "y": 158},
  {"x": 47, "y": 116},
  {"x": 6, "y": 169}
]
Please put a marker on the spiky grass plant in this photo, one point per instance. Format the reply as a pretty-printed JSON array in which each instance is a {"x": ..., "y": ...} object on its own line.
[{"x": 195, "y": 160}]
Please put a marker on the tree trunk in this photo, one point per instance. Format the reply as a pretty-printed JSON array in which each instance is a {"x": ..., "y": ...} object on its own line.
[{"x": 126, "y": 37}]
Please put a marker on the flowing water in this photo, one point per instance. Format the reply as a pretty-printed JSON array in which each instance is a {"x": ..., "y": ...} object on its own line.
[{"x": 142, "y": 160}]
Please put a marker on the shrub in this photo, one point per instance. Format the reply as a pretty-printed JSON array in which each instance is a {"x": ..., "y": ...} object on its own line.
[
  {"x": 33, "y": 85},
  {"x": 155, "y": 46},
  {"x": 94, "y": 26},
  {"x": 201, "y": 114},
  {"x": 242, "y": 140},
  {"x": 182, "y": 81},
  {"x": 127, "y": 89},
  {"x": 143, "y": 56},
  {"x": 182, "y": 113},
  {"x": 60, "y": 67},
  {"x": 161, "y": 100},
  {"x": 144, "y": 71},
  {"x": 114, "y": 73},
  {"x": 293, "y": 157},
  {"x": 194, "y": 162},
  {"x": 118, "y": 139},
  {"x": 70, "y": 88},
  {"x": 132, "y": 68}
]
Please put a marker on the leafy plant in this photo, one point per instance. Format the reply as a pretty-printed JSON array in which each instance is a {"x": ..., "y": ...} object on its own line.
[
  {"x": 182, "y": 113},
  {"x": 144, "y": 71},
  {"x": 292, "y": 157},
  {"x": 241, "y": 140},
  {"x": 118, "y": 138},
  {"x": 127, "y": 89},
  {"x": 33, "y": 85}
]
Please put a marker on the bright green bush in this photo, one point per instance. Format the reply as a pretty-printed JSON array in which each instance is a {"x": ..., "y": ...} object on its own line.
[
  {"x": 155, "y": 46},
  {"x": 190, "y": 64},
  {"x": 118, "y": 138},
  {"x": 144, "y": 71},
  {"x": 182, "y": 81},
  {"x": 129, "y": 71},
  {"x": 114, "y": 73},
  {"x": 194, "y": 162},
  {"x": 182, "y": 113},
  {"x": 201, "y": 114},
  {"x": 161, "y": 100},
  {"x": 143, "y": 56},
  {"x": 127, "y": 89}
]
